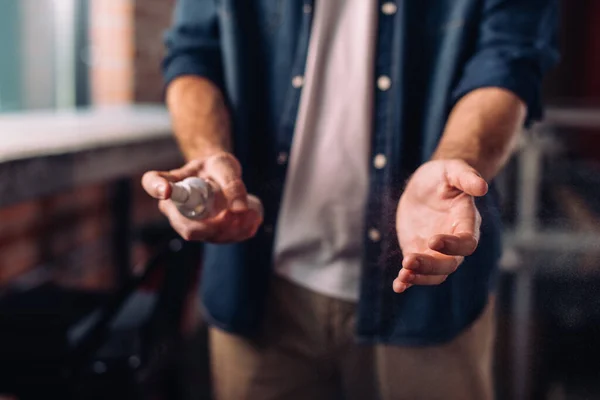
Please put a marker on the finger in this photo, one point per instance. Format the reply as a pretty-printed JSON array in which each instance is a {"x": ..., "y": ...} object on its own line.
[
  {"x": 420, "y": 280},
  {"x": 227, "y": 227},
  {"x": 237, "y": 227},
  {"x": 406, "y": 276},
  {"x": 227, "y": 173},
  {"x": 399, "y": 286},
  {"x": 462, "y": 244},
  {"x": 426, "y": 264},
  {"x": 251, "y": 221},
  {"x": 188, "y": 229},
  {"x": 189, "y": 169},
  {"x": 157, "y": 184},
  {"x": 468, "y": 227},
  {"x": 466, "y": 179},
  {"x": 468, "y": 224}
]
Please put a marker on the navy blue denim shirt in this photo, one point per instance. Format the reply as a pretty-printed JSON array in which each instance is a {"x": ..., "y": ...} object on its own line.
[{"x": 433, "y": 52}]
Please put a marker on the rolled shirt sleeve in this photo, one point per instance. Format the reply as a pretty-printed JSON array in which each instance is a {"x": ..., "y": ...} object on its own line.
[
  {"x": 193, "y": 43},
  {"x": 517, "y": 44}
]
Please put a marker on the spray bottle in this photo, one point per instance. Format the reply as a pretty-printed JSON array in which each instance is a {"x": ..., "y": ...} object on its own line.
[{"x": 197, "y": 198}]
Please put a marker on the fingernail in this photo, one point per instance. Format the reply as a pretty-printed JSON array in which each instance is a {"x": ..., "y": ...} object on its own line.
[
  {"x": 238, "y": 205},
  {"x": 398, "y": 286},
  {"x": 161, "y": 190}
]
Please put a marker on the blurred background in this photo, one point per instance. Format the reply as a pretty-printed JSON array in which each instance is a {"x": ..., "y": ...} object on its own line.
[{"x": 88, "y": 303}]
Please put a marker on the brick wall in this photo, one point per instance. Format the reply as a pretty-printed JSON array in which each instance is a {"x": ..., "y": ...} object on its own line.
[
  {"x": 152, "y": 18},
  {"x": 50, "y": 232},
  {"x": 111, "y": 51},
  {"x": 70, "y": 232},
  {"x": 127, "y": 48}
]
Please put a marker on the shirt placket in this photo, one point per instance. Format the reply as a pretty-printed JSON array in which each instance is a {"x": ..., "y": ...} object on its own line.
[
  {"x": 285, "y": 132},
  {"x": 383, "y": 162}
]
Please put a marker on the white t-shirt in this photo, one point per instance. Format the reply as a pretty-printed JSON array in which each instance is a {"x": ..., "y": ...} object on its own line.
[{"x": 319, "y": 241}]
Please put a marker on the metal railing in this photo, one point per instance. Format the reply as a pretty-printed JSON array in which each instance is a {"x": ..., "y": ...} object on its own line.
[
  {"x": 536, "y": 145},
  {"x": 528, "y": 238}
]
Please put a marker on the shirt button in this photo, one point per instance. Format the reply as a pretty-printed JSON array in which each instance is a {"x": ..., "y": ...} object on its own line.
[
  {"x": 389, "y": 8},
  {"x": 379, "y": 161},
  {"x": 268, "y": 229},
  {"x": 298, "y": 81},
  {"x": 374, "y": 235},
  {"x": 282, "y": 158},
  {"x": 384, "y": 83},
  {"x": 307, "y": 8}
]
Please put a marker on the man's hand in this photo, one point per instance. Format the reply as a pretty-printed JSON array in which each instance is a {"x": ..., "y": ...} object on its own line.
[
  {"x": 437, "y": 222},
  {"x": 236, "y": 223}
]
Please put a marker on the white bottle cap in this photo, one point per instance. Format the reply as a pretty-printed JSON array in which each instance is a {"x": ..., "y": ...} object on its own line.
[{"x": 191, "y": 192}]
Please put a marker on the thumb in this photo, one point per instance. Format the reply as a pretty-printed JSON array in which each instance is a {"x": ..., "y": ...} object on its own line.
[
  {"x": 465, "y": 178},
  {"x": 158, "y": 184}
]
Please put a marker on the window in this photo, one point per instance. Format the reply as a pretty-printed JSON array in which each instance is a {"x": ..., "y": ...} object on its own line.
[{"x": 42, "y": 66}]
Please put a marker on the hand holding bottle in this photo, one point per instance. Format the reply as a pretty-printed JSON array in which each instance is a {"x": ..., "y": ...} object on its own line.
[{"x": 215, "y": 208}]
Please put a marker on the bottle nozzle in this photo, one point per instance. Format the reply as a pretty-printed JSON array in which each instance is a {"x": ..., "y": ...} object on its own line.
[{"x": 193, "y": 197}]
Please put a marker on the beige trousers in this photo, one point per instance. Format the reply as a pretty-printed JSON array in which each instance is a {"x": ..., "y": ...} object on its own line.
[{"x": 307, "y": 351}]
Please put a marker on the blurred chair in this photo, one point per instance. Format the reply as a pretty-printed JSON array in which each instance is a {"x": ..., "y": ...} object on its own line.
[{"x": 72, "y": 344}]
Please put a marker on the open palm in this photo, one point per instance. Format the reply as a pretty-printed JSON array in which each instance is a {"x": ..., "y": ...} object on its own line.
[{"x": 437, "y": 221}]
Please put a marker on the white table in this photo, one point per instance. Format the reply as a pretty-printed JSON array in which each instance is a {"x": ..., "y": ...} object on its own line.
[{"x": 45, "y": 152}]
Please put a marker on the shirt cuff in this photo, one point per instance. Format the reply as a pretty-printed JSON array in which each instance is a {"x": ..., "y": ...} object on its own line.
[
  {"x": 519, "y": 77},
  {"x": 186, "y": 64}
]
